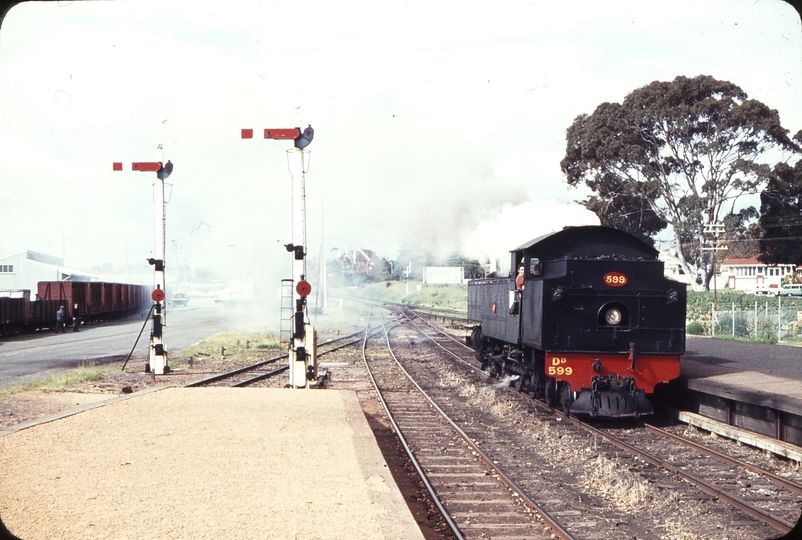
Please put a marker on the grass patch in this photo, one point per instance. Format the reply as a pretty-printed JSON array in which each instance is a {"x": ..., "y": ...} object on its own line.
[
  {"x": 228, "y": 346},
  {"x": 442, "y": 296},
  {"x": 335, "y": 322},
  {"x": 418, "y": 294},
  {"x": 626, "y": 491},
  {"x": 65, "y": 381}
]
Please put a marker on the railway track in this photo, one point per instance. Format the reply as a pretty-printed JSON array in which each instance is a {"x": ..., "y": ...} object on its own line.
[
  {"x": 267, "y": 369},
  {"x": 487, "y": 454},
  {"x": 698, "y": 472},
  {"x": 476, "y": 497},
  {"x": 758, "y": 493}
]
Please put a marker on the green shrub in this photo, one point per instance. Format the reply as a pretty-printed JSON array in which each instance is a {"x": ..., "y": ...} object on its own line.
[
  {"x": 695, "y": 328},
  {"x": 725, "y": 323},
  {"x": 767, "y": 337}
]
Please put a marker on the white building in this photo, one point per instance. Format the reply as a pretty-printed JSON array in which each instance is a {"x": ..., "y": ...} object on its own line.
[
  {"x": 443, "y": 275},
  {"x": 672, "y": 268},
  {"x": 750, "y": 274},
  {"x": 25, "y": 270}
]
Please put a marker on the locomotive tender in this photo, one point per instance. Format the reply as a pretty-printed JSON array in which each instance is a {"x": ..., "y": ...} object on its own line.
[{"x": 594, "y": 328}]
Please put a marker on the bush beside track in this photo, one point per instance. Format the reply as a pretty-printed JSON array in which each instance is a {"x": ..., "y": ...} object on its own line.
[{"x": 452, "y": 297}]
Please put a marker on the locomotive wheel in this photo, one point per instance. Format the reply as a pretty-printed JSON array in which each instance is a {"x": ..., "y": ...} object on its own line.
[
  {"x": 534, "y": 386},
  {"x": 476, "y": 341},
  {"x": 550, "y": 394},
  {"x": 566, "y": 397},
  {"x": 520, "y": 383}
]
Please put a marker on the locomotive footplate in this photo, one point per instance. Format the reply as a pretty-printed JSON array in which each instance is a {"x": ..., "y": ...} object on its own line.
[{"x": 612, "y": 396}]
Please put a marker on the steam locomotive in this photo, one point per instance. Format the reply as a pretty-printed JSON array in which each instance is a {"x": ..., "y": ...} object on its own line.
[{"x": 592, "y": 326}]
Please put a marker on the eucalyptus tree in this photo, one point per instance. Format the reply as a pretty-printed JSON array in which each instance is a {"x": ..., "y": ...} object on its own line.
[
  {"x": 678, "y": 153},
  {"x": 781, "y": 215}
]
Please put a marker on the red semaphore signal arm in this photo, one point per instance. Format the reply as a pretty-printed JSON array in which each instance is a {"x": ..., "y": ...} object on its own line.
[
  {"x": 142, "y": 166},
  {"x": 279, "y": 134}
]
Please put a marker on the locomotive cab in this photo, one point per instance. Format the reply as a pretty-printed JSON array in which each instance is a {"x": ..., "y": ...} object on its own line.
[{"x": 595, "y": 326}]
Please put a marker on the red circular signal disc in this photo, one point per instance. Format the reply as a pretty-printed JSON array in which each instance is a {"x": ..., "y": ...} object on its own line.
[
  {"x": 303, "y": 288},
  {"x": 157, "y": 295}
]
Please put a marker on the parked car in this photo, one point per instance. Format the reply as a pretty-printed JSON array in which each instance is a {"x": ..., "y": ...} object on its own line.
[
  {"x": 793, "y": 289},
  {"x": 180, "y": 299},
  {"x": 767, "y": 290}
]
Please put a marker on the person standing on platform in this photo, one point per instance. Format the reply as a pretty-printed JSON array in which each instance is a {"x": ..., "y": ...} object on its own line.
[
  {"x": 60, "y": 316},
  {"x": 75, "y": 318}
]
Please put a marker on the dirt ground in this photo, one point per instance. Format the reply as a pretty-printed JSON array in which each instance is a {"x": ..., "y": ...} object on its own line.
[
  {"x": 37, "y": 406},
  {"x": 201, "y": 463},
  {"x": 30, "y": 406}
]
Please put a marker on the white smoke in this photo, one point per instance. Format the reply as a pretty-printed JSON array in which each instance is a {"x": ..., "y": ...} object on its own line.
[
  {"x": 516, "y": 224},
  {"x": 506, "y": 381}
]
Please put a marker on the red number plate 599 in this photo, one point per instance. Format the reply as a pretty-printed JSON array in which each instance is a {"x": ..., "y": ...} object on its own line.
[{"x": 615, "y": 279}]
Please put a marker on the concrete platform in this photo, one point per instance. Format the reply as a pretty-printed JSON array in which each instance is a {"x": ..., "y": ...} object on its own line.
[
  {"x": 753, "y": 386},
  {"x": 200, "y": 463}
]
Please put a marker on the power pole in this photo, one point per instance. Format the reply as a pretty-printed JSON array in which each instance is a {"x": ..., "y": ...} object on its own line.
[
  {"x": 712, "y": 232},
  {"x": 302, "y": 353}
]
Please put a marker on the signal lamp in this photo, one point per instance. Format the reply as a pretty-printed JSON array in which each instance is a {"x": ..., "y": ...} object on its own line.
[
  {"x": 165, "y": 171},
  {"x": 305, "y": 138}
]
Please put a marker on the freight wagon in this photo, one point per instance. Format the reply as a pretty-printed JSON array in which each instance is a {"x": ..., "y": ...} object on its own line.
[{"x": 97, "y": 301}]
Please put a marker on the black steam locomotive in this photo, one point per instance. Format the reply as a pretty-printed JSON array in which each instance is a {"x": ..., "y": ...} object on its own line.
[{"x": 592, "y": 324}]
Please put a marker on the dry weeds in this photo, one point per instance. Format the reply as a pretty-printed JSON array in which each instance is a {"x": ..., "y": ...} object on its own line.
[{"x": 624, "y": 490}]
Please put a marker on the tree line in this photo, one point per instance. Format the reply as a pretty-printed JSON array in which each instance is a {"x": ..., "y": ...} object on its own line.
[{"x": 677, "y": 157}]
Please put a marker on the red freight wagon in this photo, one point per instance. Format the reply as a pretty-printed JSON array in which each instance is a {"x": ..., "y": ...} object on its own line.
[
  {"x": 97, "y": 300},
  {"x": 18, "y": 315}
]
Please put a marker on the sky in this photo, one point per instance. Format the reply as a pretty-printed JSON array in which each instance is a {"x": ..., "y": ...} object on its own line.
[{"x": 438, "y": 125}]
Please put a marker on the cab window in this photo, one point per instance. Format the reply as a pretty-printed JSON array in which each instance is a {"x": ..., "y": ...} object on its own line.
[{"x": 534, "y": 267}]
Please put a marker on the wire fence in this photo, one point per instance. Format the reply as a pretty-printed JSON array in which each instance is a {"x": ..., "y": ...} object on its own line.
[{"x": 768, "y": 321}]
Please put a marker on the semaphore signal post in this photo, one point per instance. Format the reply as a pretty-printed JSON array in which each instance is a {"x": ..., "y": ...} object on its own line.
[
  {"x": 302, "y": 353},
  {"x": 157, "y": 356}
]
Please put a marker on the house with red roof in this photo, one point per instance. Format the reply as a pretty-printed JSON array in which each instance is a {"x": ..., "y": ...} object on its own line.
[{"x": 752, "y": 276}]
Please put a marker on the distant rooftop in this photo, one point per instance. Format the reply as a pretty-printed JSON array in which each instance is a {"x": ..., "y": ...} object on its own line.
[{"x": 43, "y": 258}]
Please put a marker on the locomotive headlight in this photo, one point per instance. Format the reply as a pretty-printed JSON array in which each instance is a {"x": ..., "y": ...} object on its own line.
[{"x": 613, "y": 316}]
